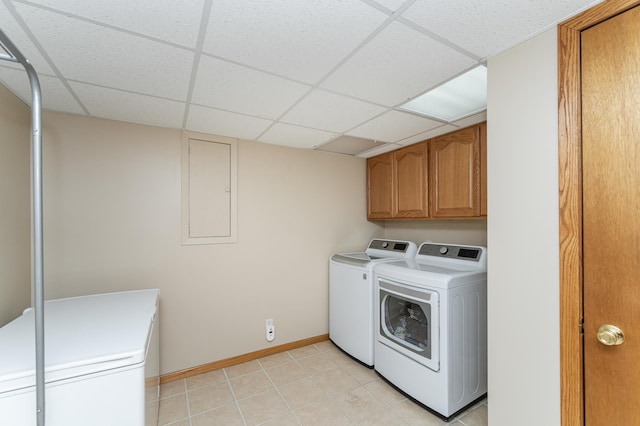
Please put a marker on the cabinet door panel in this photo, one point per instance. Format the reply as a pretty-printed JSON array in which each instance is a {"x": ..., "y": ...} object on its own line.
[
  {"x": 379, "y": 186},
  {"x": 483, "y": 169},
  {"x": 455, "y": 174},
  {"x": 410, "y": 175}
]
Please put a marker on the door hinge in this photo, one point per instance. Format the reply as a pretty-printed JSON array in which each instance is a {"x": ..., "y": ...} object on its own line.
[{"x": 581, "y": 325}]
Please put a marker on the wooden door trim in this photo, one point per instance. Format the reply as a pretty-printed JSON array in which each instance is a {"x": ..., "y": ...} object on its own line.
[{"x": 570, "y": 193}]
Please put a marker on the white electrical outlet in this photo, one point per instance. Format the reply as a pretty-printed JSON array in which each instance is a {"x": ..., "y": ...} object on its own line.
[{"x": 271, "y": 330}]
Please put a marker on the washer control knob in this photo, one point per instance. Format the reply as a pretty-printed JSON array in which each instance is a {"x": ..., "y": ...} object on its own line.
[
  {"x": 444, "y": 250},
  {"x": 385, "y": 244}
]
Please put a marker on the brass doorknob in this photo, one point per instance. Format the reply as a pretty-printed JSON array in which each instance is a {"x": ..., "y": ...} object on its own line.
[{"x": 610, "y": 335}]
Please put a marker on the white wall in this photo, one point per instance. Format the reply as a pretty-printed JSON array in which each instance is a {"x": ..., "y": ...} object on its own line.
[
  {"x": 522, "y": 234},
  {"x": 15, "y": 216},
  {"x": 112, "y": 222}
]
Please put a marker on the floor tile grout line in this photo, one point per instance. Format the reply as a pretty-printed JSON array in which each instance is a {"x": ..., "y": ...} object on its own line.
[
  {"x": 363, "y": 387},
  {"x": 186, "y": 397},
  {"x": 233, "y": 395},
  {"x": 332, "y": 397},
  {"x": 470, "y": 410},
  {"x": 295, "y": 416},
  {"x": 275, "y": 366},
  {"x": 313, "y": 378},
  {"x": 174, "y": 394},
  {"x": 184, "y": 384},
  {"x": 206, "y": 384}
]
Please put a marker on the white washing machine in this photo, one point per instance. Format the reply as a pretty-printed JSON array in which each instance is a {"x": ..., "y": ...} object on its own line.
[
  {"x": 431, "y": 326},
  {"x": 101, "y": 362},
  {"x": 351, "y": 295}
]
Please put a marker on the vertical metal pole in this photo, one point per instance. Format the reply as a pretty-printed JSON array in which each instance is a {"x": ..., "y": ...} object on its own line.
[
  {"x": 38, "y": 273},
  {"x": 38, "y": 250}
]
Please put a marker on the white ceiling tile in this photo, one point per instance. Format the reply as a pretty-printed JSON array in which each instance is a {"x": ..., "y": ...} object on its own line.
[
  {"x": 302, "y": 40},
  {"x": 445, "y": 128},
  {"x": 175, "y": 21},
  {"x": 19, "y": 38},
  {"x": 328, "y": 111},
  {"x": 295, "y": 136},
  {"x": 102, "y": 56},
  {"x": 487, "y": 27},
  {"x": 223, "y": 123},
  {"x": 397, "y": 65},
  {"x": 55, "y": 95},
  {"x": 471, "y": 120},
  {"x": 377, "y": 151},
  {"x": 349, "y": 145},
  {"x": 394, "y": 126},
  {"x": 132, "y": 107},
  {"x": 391, "y": 4},
  {"x": 223, "y": 85}
]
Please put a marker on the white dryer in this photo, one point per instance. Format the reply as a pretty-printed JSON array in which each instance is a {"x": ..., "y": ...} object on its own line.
[
  {"x": 351, "y": 295},
  {"x": 431, "y": 326}
]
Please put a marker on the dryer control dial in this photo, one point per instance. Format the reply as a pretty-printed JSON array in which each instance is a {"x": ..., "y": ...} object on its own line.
[{"x": 444, "y": 250}]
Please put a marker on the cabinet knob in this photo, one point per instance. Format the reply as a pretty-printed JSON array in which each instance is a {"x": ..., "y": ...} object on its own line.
[{"x": 610, "y": 335}]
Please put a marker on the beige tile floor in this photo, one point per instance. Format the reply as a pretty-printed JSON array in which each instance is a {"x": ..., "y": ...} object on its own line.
[{"x": 313, "y": 385}]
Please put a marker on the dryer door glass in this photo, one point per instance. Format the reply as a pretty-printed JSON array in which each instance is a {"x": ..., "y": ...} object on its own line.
[{"x": 408, "y": 321}]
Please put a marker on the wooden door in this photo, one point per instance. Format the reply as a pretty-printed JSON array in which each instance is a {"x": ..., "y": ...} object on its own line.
[
  {"x": 611, "y": 217},
  {"x": 379, "y": 186},
  {"x": 410, "y": 180},
  {"x": 454, "y": 183}
]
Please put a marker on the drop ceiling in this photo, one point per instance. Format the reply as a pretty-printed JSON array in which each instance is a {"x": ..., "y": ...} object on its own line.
[{"x": 315, "y": 74}]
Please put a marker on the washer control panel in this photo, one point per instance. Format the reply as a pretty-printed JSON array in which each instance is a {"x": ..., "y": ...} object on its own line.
[{"x": 389, "y": 245}]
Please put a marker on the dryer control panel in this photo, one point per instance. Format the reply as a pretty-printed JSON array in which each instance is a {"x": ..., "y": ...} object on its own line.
[{"x": 469, "y": 253}]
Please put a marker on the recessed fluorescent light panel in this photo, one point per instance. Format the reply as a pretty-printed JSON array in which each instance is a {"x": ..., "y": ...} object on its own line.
[{"x": 458, "y": 98}]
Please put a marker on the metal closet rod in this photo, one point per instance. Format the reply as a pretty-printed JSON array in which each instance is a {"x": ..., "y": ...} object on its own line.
[{"x": 13, "y": 54}]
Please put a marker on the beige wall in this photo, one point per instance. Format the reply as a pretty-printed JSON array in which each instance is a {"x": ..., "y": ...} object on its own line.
[
  {"x": 473, "y": 232},
  {"x": 15, "y": 196},
  {"x": 523, "y": 287},
  {"x": 112, "y": 222}
]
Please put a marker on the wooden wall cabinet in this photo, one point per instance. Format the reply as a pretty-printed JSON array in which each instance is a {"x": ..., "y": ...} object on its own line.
[
  {"x": 455, "y": 174},
  {"x": 441, "y": 178},
  {"x": 379, "y": 186},
  {"x": 397, "y": 184},
  {"x": 410, "y": 182}
]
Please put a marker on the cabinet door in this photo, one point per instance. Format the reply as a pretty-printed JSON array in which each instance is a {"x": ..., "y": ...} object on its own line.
[
  {"x": 410, "y": 180},
  {"x": 379, "y": 186},
  {"x": 483, "y": 169},
  {"x": 455, "y": 174}
]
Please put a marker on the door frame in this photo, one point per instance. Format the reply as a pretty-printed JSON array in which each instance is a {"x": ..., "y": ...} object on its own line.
[{"x": 570, "y": 196}]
